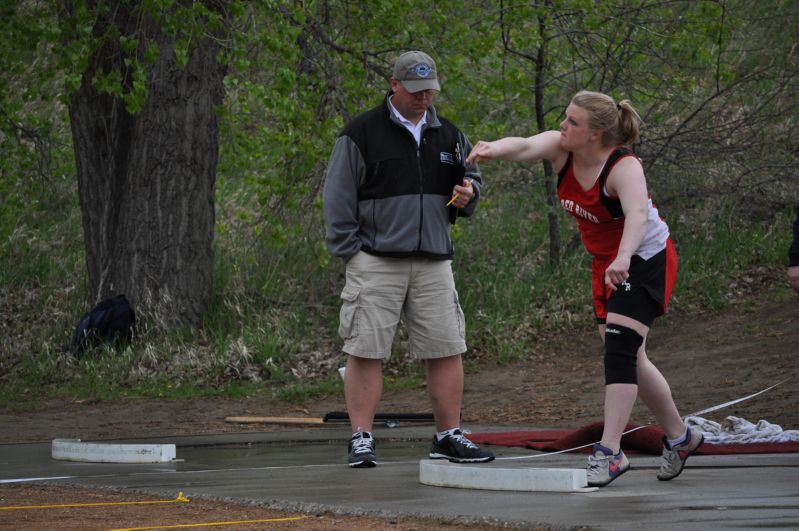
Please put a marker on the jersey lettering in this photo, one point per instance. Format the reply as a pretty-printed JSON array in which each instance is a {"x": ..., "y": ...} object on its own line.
[{"x": 575, "y": 209}]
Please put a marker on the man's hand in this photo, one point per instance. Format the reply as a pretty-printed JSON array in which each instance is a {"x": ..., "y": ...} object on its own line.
[{"x": 462, "y": 194}]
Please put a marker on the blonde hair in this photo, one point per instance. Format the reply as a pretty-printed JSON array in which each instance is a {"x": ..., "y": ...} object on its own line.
[{"x": 619, "y": 122}]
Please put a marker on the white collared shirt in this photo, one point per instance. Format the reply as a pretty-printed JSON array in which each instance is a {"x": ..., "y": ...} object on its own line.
[{"x": 416, "y": 130}]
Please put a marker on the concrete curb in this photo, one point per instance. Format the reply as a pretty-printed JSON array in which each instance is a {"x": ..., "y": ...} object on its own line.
[
  {"x": 523, "y": 479},
  {"x": 75, "y": 450}
]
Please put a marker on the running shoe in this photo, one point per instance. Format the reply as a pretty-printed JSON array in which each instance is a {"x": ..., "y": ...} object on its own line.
[
  {"x": 362, "y": 451},
  {"x": 604, "y": 466},
  {"x": 674, "y": 458},
  {"x": 458, "y": 449}
]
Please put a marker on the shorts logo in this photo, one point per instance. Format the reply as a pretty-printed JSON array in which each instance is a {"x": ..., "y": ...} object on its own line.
[
  {"x": 422, "y": 69},
  {"x": 626, "y": 285},
  {"x": 447, "y": 158}
]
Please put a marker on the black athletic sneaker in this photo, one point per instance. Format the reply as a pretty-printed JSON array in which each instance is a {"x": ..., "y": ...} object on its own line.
[
  {"x": 362, "y": 451},
  {"x": 459, "y": 449}
]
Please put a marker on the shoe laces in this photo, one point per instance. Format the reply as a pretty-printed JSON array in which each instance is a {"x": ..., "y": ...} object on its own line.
[
  {"x": 598, "y": 462},
  {"x": 460, "y": 439},
  {"x": 670, "y": 458},
  {"x": 362, "y": 445}
]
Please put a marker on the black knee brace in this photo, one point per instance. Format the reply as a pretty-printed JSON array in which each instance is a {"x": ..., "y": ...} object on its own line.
[{"x": 621, "y": 352}]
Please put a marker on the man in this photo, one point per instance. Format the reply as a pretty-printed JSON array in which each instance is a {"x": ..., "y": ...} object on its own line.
[
  {"x": 396, "y": 181},
  {"x": 793, "y": 255}
]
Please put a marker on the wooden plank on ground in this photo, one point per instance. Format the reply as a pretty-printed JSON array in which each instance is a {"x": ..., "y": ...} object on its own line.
[{"x": 274, "y": 420}]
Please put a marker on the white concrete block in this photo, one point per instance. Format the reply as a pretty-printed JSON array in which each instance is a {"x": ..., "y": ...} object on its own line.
[
  {"x": 490, "y": 477},
  {"x": 75, "y": 450}
]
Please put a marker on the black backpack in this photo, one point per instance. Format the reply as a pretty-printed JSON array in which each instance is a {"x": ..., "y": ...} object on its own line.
[{"x": 112, "y": 322}]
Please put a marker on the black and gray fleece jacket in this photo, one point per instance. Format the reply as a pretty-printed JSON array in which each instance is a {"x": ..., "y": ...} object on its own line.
[{"x": 387, "y": 196}]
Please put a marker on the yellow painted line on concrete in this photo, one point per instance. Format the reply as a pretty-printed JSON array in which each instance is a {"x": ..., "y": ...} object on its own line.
[
  {"x": 209, "y": 524},
  {"x": 180, "y": 499}
]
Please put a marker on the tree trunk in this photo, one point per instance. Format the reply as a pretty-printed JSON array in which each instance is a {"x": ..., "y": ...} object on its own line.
[
  {"x": 146, "y": 180},
  {"x": 549, "y": 178}
]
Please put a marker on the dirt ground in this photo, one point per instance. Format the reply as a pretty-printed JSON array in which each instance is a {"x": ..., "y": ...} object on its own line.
[{"x": 707, "y": 358}]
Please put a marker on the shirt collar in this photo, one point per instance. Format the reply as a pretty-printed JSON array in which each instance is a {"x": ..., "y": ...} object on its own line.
[{"x": 405, "y": 121}]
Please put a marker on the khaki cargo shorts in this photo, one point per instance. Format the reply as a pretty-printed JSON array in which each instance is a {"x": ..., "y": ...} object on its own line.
[{"x": 378, "y": 289}]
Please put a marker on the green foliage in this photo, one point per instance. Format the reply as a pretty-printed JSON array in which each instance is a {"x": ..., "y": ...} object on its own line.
[
  {"x": 263, "y": 336},
  {"x": 33, "y": 149},
  {"x": 507, "y": 287},
  {"x": 714, "y": 81},
  {"x": 721, "y": 260},
  {"x": 115, "y": 48}
]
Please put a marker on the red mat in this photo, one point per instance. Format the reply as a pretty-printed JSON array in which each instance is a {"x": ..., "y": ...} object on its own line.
[{"x": 647, "y": 440}]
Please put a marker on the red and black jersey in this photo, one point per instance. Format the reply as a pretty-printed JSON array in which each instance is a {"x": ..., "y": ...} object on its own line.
[{"x": 600, "y": 217}]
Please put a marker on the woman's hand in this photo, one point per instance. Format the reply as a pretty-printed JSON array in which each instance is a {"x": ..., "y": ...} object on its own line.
[
  {"x": 617, "y": 273},
  {"x": 481, "y": 151}
]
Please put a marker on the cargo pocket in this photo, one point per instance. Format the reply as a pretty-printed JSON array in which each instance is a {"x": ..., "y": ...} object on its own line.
[
  {"x": 348, "y": 316},
  {"x": 459, "y": 316}
]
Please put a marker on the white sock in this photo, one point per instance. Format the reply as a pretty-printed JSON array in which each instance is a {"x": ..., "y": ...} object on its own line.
[
  {"x": 440, "y": 435},
  {"x": 679, "y": 440},
  {"x": 364, "y": 434}
]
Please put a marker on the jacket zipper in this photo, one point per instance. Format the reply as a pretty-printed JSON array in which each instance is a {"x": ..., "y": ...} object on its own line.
[{"x": 421, "y": 190}]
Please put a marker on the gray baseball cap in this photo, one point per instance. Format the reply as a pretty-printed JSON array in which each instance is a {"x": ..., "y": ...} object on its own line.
[{"x": 416, "y": 71}]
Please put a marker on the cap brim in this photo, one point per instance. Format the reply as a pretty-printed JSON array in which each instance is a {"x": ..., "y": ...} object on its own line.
[{"x": 415, "y": 85}]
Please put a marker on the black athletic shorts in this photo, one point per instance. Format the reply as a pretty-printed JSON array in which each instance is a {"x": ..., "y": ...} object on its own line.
[{"x": 643, "y": 294}]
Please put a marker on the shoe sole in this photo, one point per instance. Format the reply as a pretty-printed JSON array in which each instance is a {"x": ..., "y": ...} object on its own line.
[
  {"x": 701, "y": 441},
  {"x": 461, "y": 459},
  {"x": 363, "y": 464},
  {"x": 611, "y": 479}
]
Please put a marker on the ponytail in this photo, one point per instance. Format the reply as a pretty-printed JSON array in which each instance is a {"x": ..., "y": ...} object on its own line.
[
  {"x": 619, "y": 122},
  {"x": 628, "y": 129}
]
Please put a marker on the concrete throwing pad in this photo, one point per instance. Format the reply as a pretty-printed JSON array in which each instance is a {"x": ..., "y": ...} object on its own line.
[
  {"x": 486, "y": 477},
  {"x": 75, "y": 450}
]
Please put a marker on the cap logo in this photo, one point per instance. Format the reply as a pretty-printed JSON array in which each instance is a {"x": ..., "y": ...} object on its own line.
[{"x": 422, "y": 69}]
